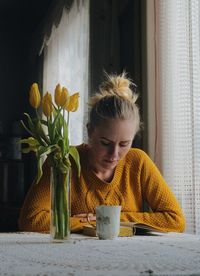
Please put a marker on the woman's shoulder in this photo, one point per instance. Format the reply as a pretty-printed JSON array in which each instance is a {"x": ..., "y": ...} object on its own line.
[
  {"x": 136, "y": 152},
  {"x": 139, "y": 158},
  {"x": 83, "y": 152},
  {"x": 137, "y": 155}
]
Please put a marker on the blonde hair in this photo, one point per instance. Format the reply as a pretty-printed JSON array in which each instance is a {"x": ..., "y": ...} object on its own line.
[{"x": 115, "y": 100}]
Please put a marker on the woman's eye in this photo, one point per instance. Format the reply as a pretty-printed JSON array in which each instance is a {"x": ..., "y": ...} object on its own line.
[
  {"x": 124, "y": 145},
  {"x": 105, "y": 143}
]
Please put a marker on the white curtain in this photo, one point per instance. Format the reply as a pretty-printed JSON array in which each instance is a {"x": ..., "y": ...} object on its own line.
[
  {"x": 66, "y": 59},
  {"x": 177, "y": 101}
]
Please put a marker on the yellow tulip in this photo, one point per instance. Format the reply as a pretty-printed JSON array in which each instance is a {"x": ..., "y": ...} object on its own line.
[
  {"x": 47, "y": 105},
  {"x": 61, "y": 96},
  {"x": 65, "y": 96},
  {"x": 73, "y": 103},
  {"x": 34, "y": 96},
  {"x": 57, "y": 95}
]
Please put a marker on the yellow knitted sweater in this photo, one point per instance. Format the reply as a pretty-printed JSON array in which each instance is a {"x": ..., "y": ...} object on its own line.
[{"x": 136, "y": 179}]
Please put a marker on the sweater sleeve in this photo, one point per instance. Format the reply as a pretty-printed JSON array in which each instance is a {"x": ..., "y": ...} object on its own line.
[
  {"x": 166, "y": 214},
  {"x": 35, "y": 212}
]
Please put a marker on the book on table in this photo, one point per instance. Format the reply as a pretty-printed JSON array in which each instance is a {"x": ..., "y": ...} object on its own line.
[{"x": 127, "y": 229}]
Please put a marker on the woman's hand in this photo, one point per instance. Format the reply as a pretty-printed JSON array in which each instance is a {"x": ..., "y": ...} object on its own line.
[{"x": 86, "y": 217}]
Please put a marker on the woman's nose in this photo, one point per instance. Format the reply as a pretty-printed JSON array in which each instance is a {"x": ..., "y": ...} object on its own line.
[{"x": 113, "y": 151}]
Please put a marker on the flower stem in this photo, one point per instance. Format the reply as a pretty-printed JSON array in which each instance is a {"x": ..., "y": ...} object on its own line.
[{"x": 60, "y": 202}]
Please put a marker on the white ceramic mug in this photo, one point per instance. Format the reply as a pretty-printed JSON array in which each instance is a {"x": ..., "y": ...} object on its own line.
[{"x": 107, "y": 221}]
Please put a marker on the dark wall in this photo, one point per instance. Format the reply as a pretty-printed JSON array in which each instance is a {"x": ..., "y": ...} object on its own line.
[
  {"x": 115, "y": 41},
  {"x": 116, "y": 44},
  {"x": 13, "y": 77},
  {"x": 19, "y": 20}
]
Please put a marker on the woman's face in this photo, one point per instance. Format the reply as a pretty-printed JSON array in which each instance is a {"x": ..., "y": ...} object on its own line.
[{"x": 110, "y": 142}]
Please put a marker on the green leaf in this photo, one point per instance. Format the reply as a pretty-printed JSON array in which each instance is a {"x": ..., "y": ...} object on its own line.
[
  {"x": 39, "y": 169},
  {"x": 51, "y": 132},
  {"x": 30, "y": 123},
  {"x": 30, "y": 141},
  {"x": 65, "y": 133},
  {"x": 63, "y": 168},
  {"x": 44, "y": 122},
  {"x": 75, "y": 155},
  {"x": 26, "y": 128},
  {"x": 67, "y": 162},
  {"x": 61, "y": 144},
  {"x": 41, "y": 133},
  {"x": 46, "y": 150},
  {"x": 57, "y": 126},
  {"x": 33, "y": 129}
]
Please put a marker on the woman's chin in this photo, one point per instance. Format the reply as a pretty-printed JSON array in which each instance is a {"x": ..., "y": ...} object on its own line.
[{"x": 109, "y": 165}]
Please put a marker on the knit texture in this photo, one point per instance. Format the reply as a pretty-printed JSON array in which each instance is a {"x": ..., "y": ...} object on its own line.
[{"x": 136, "y": 179}]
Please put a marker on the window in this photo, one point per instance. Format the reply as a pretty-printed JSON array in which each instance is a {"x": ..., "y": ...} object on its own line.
[
  {"x": 175, "y": 139},
  {"x": 66, "y": 62}
]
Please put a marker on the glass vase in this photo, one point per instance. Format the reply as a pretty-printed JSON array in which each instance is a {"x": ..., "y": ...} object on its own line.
[{"x": 60, "y": 205}]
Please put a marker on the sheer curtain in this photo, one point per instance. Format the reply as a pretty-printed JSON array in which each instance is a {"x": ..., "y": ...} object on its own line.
[
  {"x": 66, "y": 59},
  {"x": 177, "y": 101}
]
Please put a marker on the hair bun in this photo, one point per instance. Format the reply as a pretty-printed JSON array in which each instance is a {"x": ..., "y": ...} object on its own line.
[{"x": 119, "y": 85}]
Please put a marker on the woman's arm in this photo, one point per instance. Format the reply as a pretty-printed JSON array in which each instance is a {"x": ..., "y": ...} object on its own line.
[
  {"x": 35, "y": 213},
  {"x": 163, "y": 221},
  {"x": 166, "y": 213}
]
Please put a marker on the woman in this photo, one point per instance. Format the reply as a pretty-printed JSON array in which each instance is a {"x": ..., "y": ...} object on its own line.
[{"x": 111, "y": 172}]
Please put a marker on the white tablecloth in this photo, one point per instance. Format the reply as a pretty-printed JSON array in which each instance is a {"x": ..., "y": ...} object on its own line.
[{"x": 34, "y": 254}]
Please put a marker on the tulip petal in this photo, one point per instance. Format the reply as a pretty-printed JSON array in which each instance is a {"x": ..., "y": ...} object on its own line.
[
  {"x": 64, "y": 97},
  {"x": 34, "y": 96},
  {"x": 73, "y": 103},
  {"x": 57, "y": 95},
  {"x": 47, "y": 105}
]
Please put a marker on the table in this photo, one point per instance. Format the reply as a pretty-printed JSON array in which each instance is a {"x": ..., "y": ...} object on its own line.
[{"x": 34, "y": 254}]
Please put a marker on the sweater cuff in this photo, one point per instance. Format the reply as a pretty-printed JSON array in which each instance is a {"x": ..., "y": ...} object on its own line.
[{"x": 77, "y": 225}]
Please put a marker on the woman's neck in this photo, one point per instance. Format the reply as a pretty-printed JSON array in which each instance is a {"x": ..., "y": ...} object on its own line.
[{"x": 102, "y": 173}]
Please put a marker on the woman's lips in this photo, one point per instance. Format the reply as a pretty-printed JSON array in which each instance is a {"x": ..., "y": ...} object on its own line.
[{"x": 111, "y": 161}]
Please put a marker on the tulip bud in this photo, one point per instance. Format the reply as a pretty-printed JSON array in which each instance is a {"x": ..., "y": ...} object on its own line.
[
  {"x": 34, "y": 96},
  {"x": 47, "y": 105},
  {"x": 57, "y": 95},
  {"x": 65, "y": 96},
  {"x": 61, "y": 96},
  {"x": 73, "y": 103}
]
